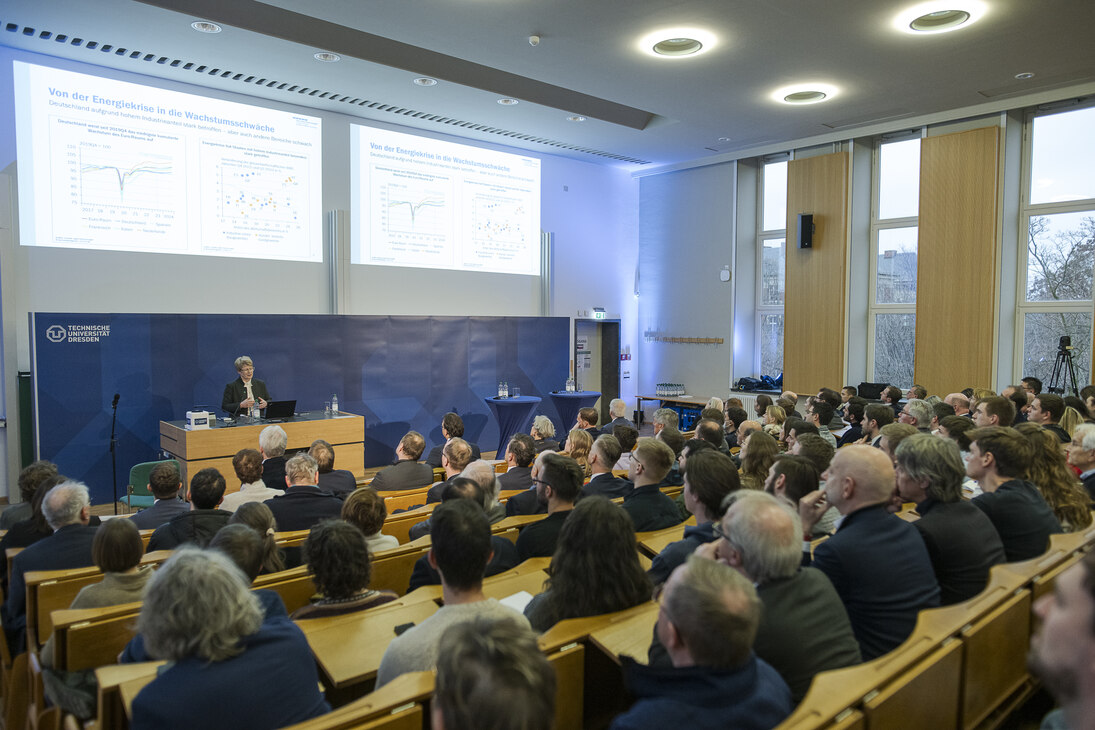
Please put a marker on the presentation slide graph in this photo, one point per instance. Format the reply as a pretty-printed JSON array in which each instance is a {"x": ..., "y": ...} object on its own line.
[
  {"x": 259, "y": 191},
  {"x": 410, "y": 212},
  {"x": 116, "y": 177},
  {"x": 499, "y": 219},
  {"x": 413, "y": 221}
]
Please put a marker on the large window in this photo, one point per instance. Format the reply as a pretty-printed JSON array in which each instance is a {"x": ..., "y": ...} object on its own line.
[
  {"x": 1056, "y": 276},
  {"x": 772, "y": 238},
  {"x": 892, "y": 321}
]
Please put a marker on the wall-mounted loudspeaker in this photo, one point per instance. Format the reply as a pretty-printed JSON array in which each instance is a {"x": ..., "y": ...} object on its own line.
[{"x": 805, "y": 230}]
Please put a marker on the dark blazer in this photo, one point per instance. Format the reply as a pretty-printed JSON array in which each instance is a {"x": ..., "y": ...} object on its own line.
[
  {"x": 434, "y": 458},
  {"x": 519, "y": 477},
  {"x": 543, "y": 445},
  {"x": 159, "y": 513},
  {"x": 621, "y": 421},
  {"x": 434, "y": 495},
  {"x": 882, "y": 572},
  {"x": 962, "y": 544},
  {"x": 273, "y": 473},
  {"x": 607, "y": 485},
  {"x": 853, "y": 434},
  {"x": 525, "y": 503},
  {"x": 594, "y": 432},
  {"x": 1021, "y": 517},
  {"x": 505, "y": 558},
  {"x": 235, "y": 392},
  {"x": 405, "y": 474},
  {"x": 303, "y": 506},
  {"x": 676, "y": 553},
  {"x": 649, "y": 509},
  {"x": 539, "y": 539},
  {"x": 1089, "y": 484},
  {"x": 338, "y": 482},
  {"x": 196, "y": 527}
]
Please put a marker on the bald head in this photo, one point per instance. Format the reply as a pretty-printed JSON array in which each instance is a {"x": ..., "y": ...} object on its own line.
[
  {"x": 746, "y": 428},
  {"x": 960, "y": 402},
  {"x": 858, "y": 476}
]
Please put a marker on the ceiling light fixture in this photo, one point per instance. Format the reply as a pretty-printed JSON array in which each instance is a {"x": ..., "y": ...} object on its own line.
[
  {"x": 724, "y": 139},
  {"x": 939, "y": 16},
  {"x": 677, "y": 42},
  {"x": 576, "y": 118},
  {"x": 508, "y": 102},
  {"x": 425, "y": 81},
  {"x": 800, "y": 94},
  {"x": 1024, "y": 76},
  {"x": 327, "y": 57},
  {"x": 204, "y": 26}
]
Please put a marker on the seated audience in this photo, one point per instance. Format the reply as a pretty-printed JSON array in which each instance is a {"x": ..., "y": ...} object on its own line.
[
  {"x": 916, "y": 413},
  {"x": 793, "y": 428},
  {"x": 708, "y": 477},
  {"x": 627, "y": 436},
  {"x": 916, "y": 392},
  {"x": 247, "y": 463},
  {"x": 406, "y": 472},
  {"x": 1057, "y": 483},
  {"x": 820, "y": 415},
  {"x": 338, "y": 482},
  {"x": 664, "y": 417},
  {"x": 674, "y": 439},
  {"x": 595, "y": 568},
  {"x": 733, "y": 418},
  {"x": 365, "y": 510},
  {"x": 30, "y": 477},
  {"x": 29, "y": 531},
  {"x": 304, "y": 503},
  {"x": 711, "y": 432},
  {"x": 543, "y": 434},
  {"x": 491, "y": 673},
  {"x": 578, "y": 445},
  {"x": 707, "y": 620},
  {"x": 939, "y": 412},
  {"x": 647, "y": 506},
  {"x": 816, "y": 449},
  {"x": 891, "y": 396},
  {"x": 460, "y": 551},
  {"x": 993, "y": 410},
  {"x": 960, "y": 404},
  {"x": 164, "y": 482},
  {"x": 860, "y": 559},
  {"x": 854, "y": 410},
  {"x": 520, "y": 453},
  {"x": 587, "y": 421},
  {"x": 216, "y": 649},
  {"x": 893, "y": 435},
  {"x": 774, "y": 416},
  {"x": 1071, "y": 418},
  {"x": 1081, "y": 456},
  {"x": 1046, "y": 410},
  {"x": 617, "y": 411},
  {"x": 528, "y": 502},
  {"x": 758, "y": 451},
  {"x": 259, "y": 518},
  {"x": 602, "y": 457},
  {"x": 999, "y": 459},
  {"x": 483, "y": 472},
  {"x": 875, "y": 416},
  {"x": 558, "y": 486},
  {"x": 272, "y": 443},
  {"x": 789, "y": 406},
  {"x": 452, "y": 427},
  {"x": 337, "y": 557},
  {"x": 201, "y": 522},
  {"x": 762, "y": 404},
  {"x": 792, "y": 477},
  {"x": 962, "y": 543},
  {"x": 456, "y": 454}
]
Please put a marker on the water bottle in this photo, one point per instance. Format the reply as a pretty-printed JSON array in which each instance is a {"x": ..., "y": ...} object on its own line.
[
  {"x": 334, "y": 403},
  {"x": 498, "y": 394},
  {"x": 255, "y": 415},
  {"x": 505, "y": 389},
  {"x": 570, "y": 384}
]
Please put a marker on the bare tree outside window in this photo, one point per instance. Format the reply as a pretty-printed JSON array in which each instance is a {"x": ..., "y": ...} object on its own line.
[
  {"x": 771, "y": 344},
  {"x": 895, "y": 340}
]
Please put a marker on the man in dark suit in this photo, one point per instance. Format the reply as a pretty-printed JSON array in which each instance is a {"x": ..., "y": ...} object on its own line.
[
  {"x": 604, "y": 454},
  {"x": 1081, "y": 455},
  {"x": 202, "y": 521},
  {"x": 406, "y": 473},
  {"x": 527, "y": 502},
  {"x": 520, "y": 453},
  {"x": 648, "y": 508},
  {"x": 587, "y": 421},
  {"x": 617, "y": 409},
  {"x": 272, "y": 441},
  {"x": 456, "y": 455},
  {"x": 557, "y": 487},
  {"x": 876, "y": 561},
  {"x": 164, "y": 483},
  {"x": 338, "y": 482},
  {"x": 1046, "y": 411},
  {"x": 304, "y": 503},
  {"x": 452, "y": 427},
  {"x": 241, "y": 393},
  {"x": 67, "y": 509}
]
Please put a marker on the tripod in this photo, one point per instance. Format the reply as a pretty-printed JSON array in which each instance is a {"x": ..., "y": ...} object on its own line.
[{"x": 1063, "y": 361}]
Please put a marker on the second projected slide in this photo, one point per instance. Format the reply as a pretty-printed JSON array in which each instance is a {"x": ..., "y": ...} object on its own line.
[
  {"x": 111, "y": 165},
  {"x": 426, "y": 203}
]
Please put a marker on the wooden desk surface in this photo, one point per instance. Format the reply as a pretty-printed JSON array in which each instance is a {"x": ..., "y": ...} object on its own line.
[{"x": 629, "y": 634}]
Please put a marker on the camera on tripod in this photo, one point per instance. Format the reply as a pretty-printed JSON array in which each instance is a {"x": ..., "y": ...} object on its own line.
[
  {"x": 1065, "y": 344},
  {"x": 1063, "y": 369}
]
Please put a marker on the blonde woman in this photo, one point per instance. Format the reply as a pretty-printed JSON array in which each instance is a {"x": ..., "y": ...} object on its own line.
[
  {"x": 774, "y": 416},
  {"x": 578, "y": 445}
]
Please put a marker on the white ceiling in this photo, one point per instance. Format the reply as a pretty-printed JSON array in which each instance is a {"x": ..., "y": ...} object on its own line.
[{"x": 642, "y": 112}]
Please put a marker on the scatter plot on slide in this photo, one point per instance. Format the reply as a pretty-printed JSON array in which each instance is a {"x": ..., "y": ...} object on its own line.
[
  {"x": 267, "y": 191},
  {"x": 498, "y": 218}
]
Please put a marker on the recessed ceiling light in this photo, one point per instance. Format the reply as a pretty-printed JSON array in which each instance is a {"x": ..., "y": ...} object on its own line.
[
  {"x": 327, "y": 57},
  {"x": 576, "y": 118},
  {"x": 425, "y": 81},
  {"x": 205, "y": 26},
  {"x": 800, "y": 94},
  {"x": 1024, "y": 76},
  {"x": 508, "y": 102},
  {"x": 939, "y": 16},
  {"x": 724, "y": 139},
  {"x": 677, "y": 42}
]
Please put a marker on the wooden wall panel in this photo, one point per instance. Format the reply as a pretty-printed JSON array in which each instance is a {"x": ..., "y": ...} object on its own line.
[
  {"x": 957, "y": 261},
  {"x": 815, "y": 303}
]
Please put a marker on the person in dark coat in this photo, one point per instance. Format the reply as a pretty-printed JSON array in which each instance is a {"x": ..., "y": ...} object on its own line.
[
  {"x": 198, "y": 525},
  {"x": 648, "y": 507},
  {"x": 304, "y": 503},
  {"x": 407, "y": 472},
  {"x": 272, "y": 442},
  {"x": 244, "y": 391},
  {"x": 338, "y": 482},
  {"x": 604, "y": 454},
  {"x": 164, "y": 482}
]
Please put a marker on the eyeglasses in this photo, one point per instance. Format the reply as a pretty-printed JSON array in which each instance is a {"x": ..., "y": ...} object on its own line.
[
  {"x": 540, "y": 481},
  {"x": 659, "y": 591},
  {"x": 716, "y": 530}
]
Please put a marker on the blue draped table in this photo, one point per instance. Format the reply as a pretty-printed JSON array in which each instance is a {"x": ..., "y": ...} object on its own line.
[
  {"x": 513, "y": 416},
  {"x": 568, "y": 405}
]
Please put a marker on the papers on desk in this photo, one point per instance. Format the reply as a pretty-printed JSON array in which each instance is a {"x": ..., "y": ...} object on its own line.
[{"x": 517, "y": 601}]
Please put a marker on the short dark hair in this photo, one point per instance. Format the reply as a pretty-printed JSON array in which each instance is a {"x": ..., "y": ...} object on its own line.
[
  {"x": 851, "y": 389},
  {"x": 1052, "y": 404},
  {"x": 453, "y": 425},
  {"x": 816, "y": 449},
  {"x": 695, "y": 446},
  {"x": 713, "y": 414},
  {"x": 523, "y": 449},
  {"x": 919, "y": 391},
  {"x": 242, "y": 545},
  {"x": 801, "y": 427},
  {"x": 207, "y": 488},
  {"x": 893, "y": 393},
  {"x": 324, "y": 454},
  {"x": 627, "y": 436},
  {"x": 800, "y": 475},
  {"x": 710, "y": 431},
  {"x": 941, "y": 410},
  {"x": 461, "y": 544},
  {"x": 609, "y": 447},
  {"x": 589, "y": 415},
  {"x": 365, "y": 510},
  {"x": 117, "y": 546},
  {"x": 562, "y": 474},
  {"x": 958, "y": 428},
  {"x": 824, "y": 412},
  {"x": 711, "y": 475},
  {"x": 881, "y": 414},
  {"x": 164, "y": 480},
  {"x": 1001, "y": 407},
  {"x": 1011, "y": 451},
  {"x": 413, "y": 444},
  {"x": 1034, "y": 383},
  {"x": 247, "y": 464},
  {"x": 338, "y": 559},
  {"x": 830, "y": 396},
  {"x": 737, "y": 416},
  {"x": 34, "y": 474},
  {"x": 855, "y": 410},
  {"x": 672, "y": 438}
]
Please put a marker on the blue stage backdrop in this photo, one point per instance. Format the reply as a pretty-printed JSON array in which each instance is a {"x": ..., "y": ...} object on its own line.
[{"x": 401, "y": 373}]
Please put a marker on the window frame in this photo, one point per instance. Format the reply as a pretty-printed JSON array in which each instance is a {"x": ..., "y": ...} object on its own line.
[{"x": 762, "y": 309}]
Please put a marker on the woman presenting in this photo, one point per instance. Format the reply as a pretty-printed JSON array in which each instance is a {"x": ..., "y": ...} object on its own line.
[{"x": 244, "y": 391}]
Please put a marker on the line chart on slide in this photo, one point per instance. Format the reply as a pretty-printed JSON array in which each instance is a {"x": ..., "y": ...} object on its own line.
[{"x": 412, "y": 221}]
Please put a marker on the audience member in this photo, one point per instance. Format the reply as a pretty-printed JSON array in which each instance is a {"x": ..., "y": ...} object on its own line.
[
  {"x": 674, "y": 439},
  {"x": 760, "y": 406},
  {"x": 164, "y": 482},
  {"x": 200, "y": 616},
  {"x": 338, "y": 561},
  {"x": 407, "y": 472},
  {"x": 962, "y": 543},
  {"x": 605, "y": 453},
  {"x": 483, "y": 472},
  {"x": 304, "y": 503},
  {"x": 774, "y": 416},
  {"x": 595, "y": 568},
  {"x": 460, "y": 551},
  {"x": 647, "y": 506},
  {"x": 527, "y": 502},
  {"x": 792, "y": 477},
  {"x": 999, "y": 459},
  {"x": 916, "y": 392},
  {"x": 1081, "y": 456},
  {"x": 30, "y": 477},
  {"x": 711, "y": 432},
  {"x": 960, "y": 403},
  {"x": 716, "y": 403},
  {"x": 788, "y": 401},
  {"x": 452, "y": 427},
  {"x": 29, "y": 531},
  {"x": 993, "y": 411},
  {"x": 939, "y": 412},
  {"x": 617, "y": 411},
  {"x": 816, "y": 449},
  {"x": 830, "y": 396},
  {"x": 734, "y": 418},
  {"x": 627, "y": 436},
  {"x": 854, "y": 410},
  {"x": 543, "y": 434},
  {"x": 1032, "y": 385},
  {"x": 860, "y": 558},
  {"x": 1046, "y": 411},
  {"x": 201, "y": 522},
  {"x": 491, "y": 673},
  {"x": 757, "y": 454},
  {"x": 916, "y": 413},
  {"x": 578, "y": 445},
  {"x": 247, "y": 464},
  {"x": 707, "y": 619},
  {"x": 1071, "y": 418},
  {"x": 272, "y": 442},
  {"x": 892, "y": 436},
  {"x": 259, "y": 518},
  {"x": 520, "y": 453},
  {"x": 1020, "y": 399},
  {"x": 456, "y": 454},
  {"x": 558, "y": 486},
  {"x": 819, "y": 414},
  {"x": 587, "y": 421},
  {"x": 664, "y": 417},
  {"x": 794, "y": 428},
  {"x": 338, "y": 482},
  {"x": 891, "y": 396},
  {"x": 875, "y": 417},
  {"x": 1056, "y": 482},
  {"x": 365, "y": 510}
]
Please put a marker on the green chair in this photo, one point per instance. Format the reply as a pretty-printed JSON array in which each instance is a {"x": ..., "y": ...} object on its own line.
[{"x": 138, "y": 495}]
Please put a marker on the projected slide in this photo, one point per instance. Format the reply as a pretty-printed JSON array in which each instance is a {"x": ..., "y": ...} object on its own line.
[
  {"x": 110, "y": 165},
  {"x": 425, "y": 203}
]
